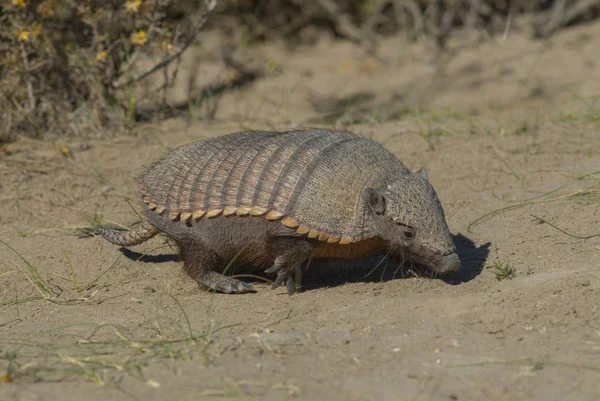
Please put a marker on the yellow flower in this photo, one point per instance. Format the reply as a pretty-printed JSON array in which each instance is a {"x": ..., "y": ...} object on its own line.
[
  {"x": 22, "y": 34},
  {"x": 101, "y": 56},
  {"x": 21, "y": 3},
  {"x": 64, "y": 150},
  {"x": 133, "y": 5},
  {"x": 139, "y": 37},
  {"x": 35, "y": 31}
]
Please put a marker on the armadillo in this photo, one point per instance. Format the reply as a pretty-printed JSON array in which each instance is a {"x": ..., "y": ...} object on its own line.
[{"x": 281, "y": 199}]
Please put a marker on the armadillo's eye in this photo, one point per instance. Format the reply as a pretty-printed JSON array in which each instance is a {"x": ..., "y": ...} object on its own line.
[{"x": 408, "y": 233}]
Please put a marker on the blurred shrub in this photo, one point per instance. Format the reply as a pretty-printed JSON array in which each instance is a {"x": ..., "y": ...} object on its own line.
[
  {"x": 64, "y": 63},
  {"x": 60, "y": 60},
  {"x": 432, "y": 18}
]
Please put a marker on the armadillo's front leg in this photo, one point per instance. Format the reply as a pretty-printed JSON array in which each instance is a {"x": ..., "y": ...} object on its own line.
[
  {"x": 200, "y": 262},
  {"x": 291, "y": 254}
]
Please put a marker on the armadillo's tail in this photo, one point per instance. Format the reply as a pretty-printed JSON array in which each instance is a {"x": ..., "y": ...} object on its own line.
[{"x": 137, "y": 234}]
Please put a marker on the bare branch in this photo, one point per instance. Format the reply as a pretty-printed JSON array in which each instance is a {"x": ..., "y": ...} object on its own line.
[
  {"x": 32, "y": 102},
  {"x": 555, "y": 20},
  {"x": 562, "y": 15},
  {"x": 345, "y": 26},
  {"x": 415, "y": 13}
]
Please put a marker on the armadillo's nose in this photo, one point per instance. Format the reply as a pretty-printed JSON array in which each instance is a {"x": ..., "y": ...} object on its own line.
[{"x": 449, "y": 263}]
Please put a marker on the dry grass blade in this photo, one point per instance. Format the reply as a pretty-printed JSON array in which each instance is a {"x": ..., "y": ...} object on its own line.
[
  {"x": 36, "y": 279},
  {"x": 73, "y": 275},
  {"x": 590, "y": 190},
  {"x": 512, "y": 171},
  {"x": 94, "y": 281},
  {"x": 536, "y": 365},
  {"x": 100, "y": 361},
  {"x": 21, "y": 301},
  {"x": 563, "y": 231}
]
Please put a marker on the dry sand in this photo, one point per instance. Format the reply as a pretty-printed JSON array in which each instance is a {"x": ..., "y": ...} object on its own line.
[{"x": 493, "y": 123}]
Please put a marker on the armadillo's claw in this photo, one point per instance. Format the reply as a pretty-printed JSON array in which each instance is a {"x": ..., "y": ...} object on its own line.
[
  {"x": 284, "y": 275},
  {"x": 291, "y": 254},
  {"x": 291, "y": 285},
  {"x": 232, "y": 286},
  {"x": 273, "y": 269}
]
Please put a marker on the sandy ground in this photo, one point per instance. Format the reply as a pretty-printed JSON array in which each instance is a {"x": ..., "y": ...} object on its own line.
[{"x": 495, "y": 124}]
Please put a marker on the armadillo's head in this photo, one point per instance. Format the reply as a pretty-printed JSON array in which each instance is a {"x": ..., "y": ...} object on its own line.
[{"x": 408, "y": 216}]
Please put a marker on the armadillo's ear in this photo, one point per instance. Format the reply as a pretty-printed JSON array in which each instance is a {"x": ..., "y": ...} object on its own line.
[
  {"x": 375, "y": 200},
  {"x": 423, "y": 173}
]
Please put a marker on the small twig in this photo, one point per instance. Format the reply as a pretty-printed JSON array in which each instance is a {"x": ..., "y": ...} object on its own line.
[
  {"x": 25, "y": 113},
  {"x": 555, "y": 20},
  {"x": 345, "y": 26},
  {"x": 507, "y": 26},
  {"x": 563, "y": 231},
  {"x": 415, "y": 12},
  {"x": 28, "y": 78},
  {"x": 211, "y": 4},
  {"x": 433, "y": 21},
  {"x": 166, "y": 83},
  {"x": 368, "y": 25}
]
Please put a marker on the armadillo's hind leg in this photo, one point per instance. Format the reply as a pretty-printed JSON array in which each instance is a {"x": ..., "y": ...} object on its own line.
[
  {"x": 200, "y": 262},
  {"x": 291, "y": 254},
  {"x": 137, "y": 234}
]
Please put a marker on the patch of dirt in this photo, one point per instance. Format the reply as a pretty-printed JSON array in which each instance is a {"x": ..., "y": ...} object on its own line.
[{"x": 493, "y": 123}]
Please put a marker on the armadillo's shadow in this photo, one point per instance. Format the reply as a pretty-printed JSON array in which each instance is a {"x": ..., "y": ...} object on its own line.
[
  {"x": 331, "y": 274},
  {"x": 327, "y": 273},
  {"x": 473, "y": 260}
]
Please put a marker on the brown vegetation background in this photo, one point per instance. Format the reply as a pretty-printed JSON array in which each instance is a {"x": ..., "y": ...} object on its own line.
[{"x": 67, "y": 67}]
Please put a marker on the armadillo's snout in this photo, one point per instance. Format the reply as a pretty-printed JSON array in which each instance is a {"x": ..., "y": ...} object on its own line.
[{"x": 449, "y": 263}]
